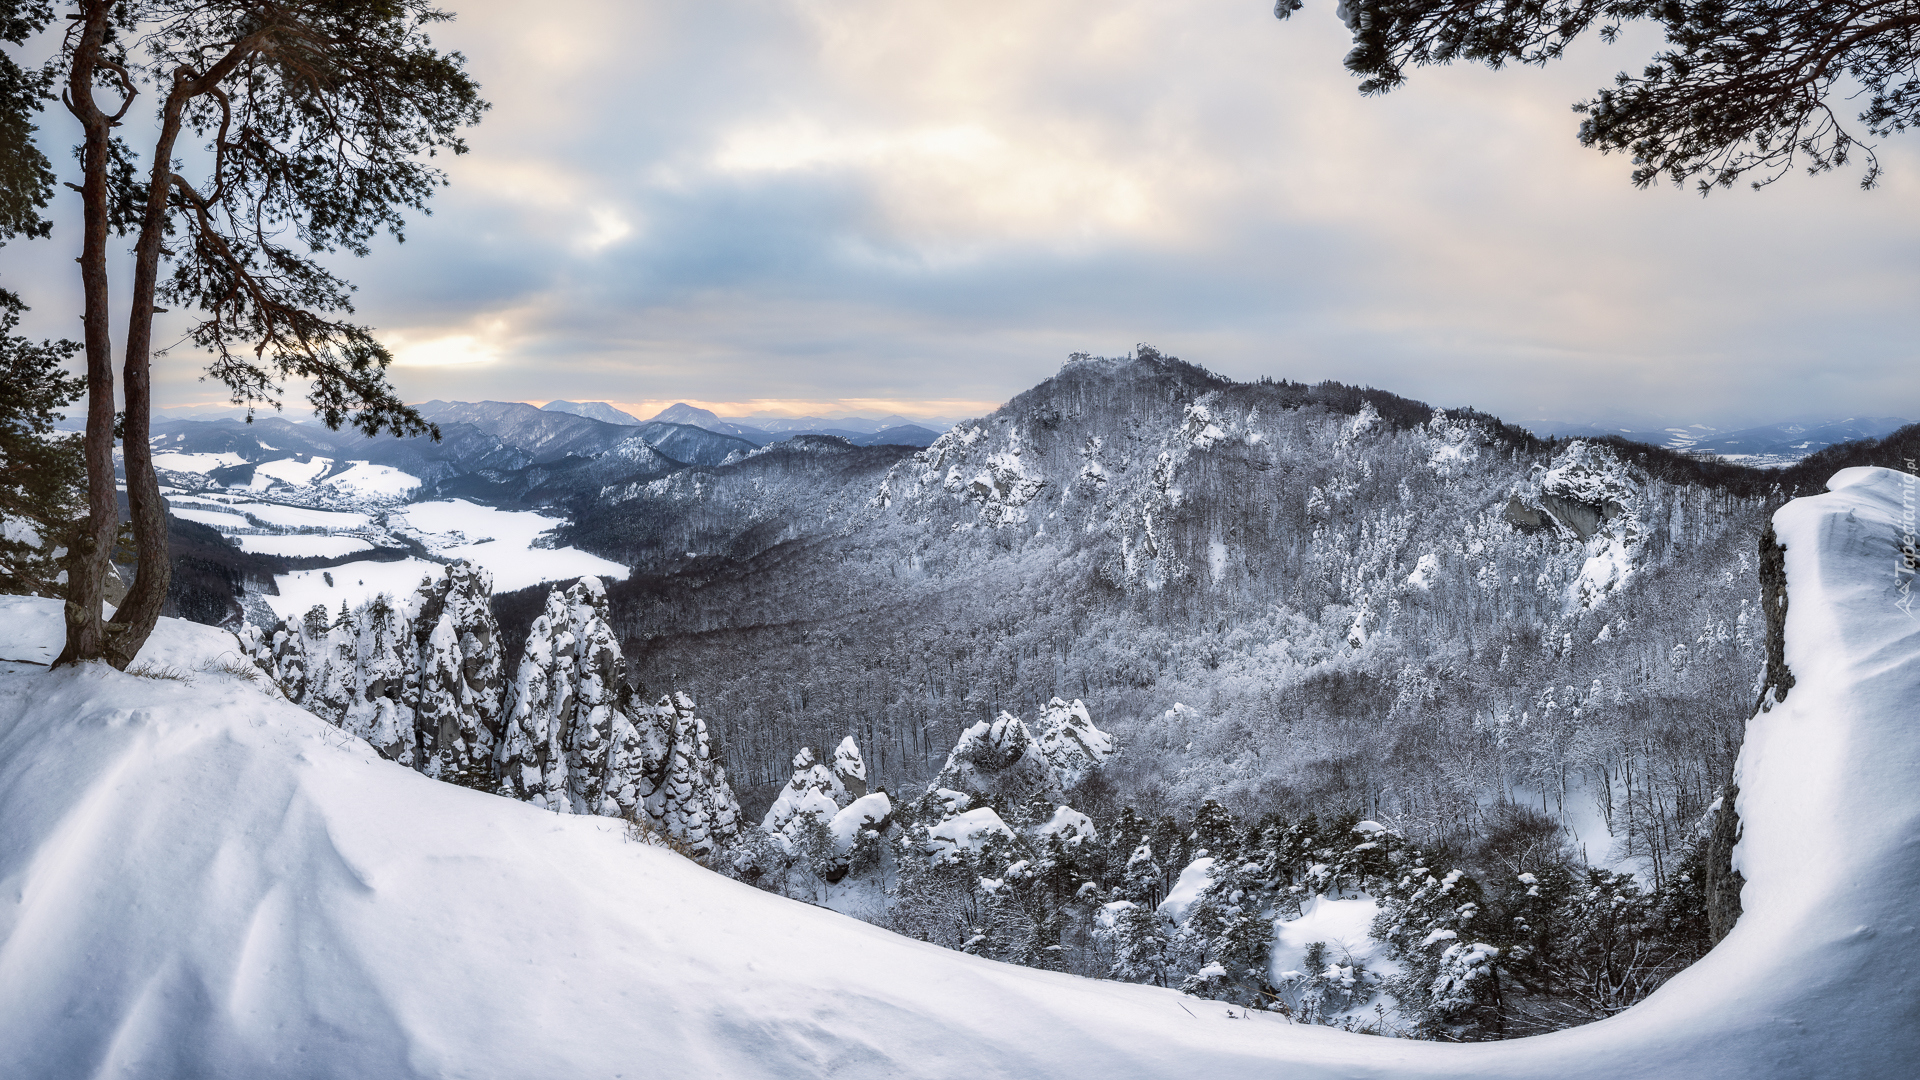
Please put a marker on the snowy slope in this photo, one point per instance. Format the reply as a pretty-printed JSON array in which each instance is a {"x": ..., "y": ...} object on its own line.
[{"x": 197, "y": 880}]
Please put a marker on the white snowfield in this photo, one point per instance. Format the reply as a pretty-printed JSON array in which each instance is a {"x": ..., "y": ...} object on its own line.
[
  {"x": 304, "y": 545},
  {"x": 503, "y": 541},
  {"x": 353, "y": 584},
  {"x": 199, "y": 881},
  {"x": 374, "y": 481}
]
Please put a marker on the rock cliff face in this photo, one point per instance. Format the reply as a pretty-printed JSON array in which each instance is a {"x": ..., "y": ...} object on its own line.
[
  {"x": 1773, "y": 602},
  {"x": 1723, "y": 882}
]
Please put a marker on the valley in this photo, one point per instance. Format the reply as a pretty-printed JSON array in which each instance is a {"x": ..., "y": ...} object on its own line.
[{"x": 1297, "y": 624}]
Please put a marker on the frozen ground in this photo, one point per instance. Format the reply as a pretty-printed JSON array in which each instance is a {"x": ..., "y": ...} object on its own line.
[
  {"x": 290, "y": 471},
  {"x": 198, "y": 880},
  {"x": 352, "y": 583},
  {"x": 304, "y": 545},
  {"x": 373, "y": 481},
  {"x": 194, "y": 463},
  {"x": 500, "y": 540}
]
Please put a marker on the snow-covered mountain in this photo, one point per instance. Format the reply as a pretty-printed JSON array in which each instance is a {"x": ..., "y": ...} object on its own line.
[
  {"x": 858, "y": 425},
  {"x": 1275, "y": 559},
  {"x": 205, "y": 881},
  {"x": 1218, "y": 568},
  {"x": 683, "y": 413},
  {"x": 892, "y": 431},
  {"x": 595, "y": 410}
]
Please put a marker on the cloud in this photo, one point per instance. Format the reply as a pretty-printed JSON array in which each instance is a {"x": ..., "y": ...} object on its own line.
[
  {"x": 459, "y": 349},
  {"x": 915, "y": 201}
]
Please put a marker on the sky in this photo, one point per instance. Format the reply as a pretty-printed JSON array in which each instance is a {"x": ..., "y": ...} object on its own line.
[{"x": 919, "y": 207}]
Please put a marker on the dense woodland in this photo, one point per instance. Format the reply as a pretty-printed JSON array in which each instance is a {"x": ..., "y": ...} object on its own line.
[{"x": 1289, "y": 599}]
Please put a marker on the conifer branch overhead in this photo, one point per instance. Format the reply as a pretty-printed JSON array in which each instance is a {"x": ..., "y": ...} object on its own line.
[{"x": 1742, "y": 89}]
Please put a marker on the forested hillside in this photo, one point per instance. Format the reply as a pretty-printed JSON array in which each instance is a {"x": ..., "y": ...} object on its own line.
[{"x": 1288, "y": 598}]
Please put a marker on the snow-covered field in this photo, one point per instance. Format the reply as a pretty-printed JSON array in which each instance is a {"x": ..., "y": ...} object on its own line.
[
  {"x": 500, "y": 540},
  {"x": 376, "y": 481},
  {"x": 199, "y": 880},
  {"x": 300, "y": 517},
  {"x": 304, "y": 545},
  {"x": 289, "y": 471},
  {"x": 1341, "y": 925},
  {"x": 219, "y": 519},
  {"x": 195, "y": 463},
  {"x": 352, "y": 583}
]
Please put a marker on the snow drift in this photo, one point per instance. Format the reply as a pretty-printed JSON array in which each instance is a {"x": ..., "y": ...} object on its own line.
[{"x": 199, "y": 880}]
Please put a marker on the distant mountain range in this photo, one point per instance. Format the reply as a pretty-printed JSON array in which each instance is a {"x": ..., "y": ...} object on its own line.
[
  {"x": 760, "y": 431},
  {"x": 1770, "y": 445},
  {"x": 597, "y": 410},
  {"x": 504, "y": 453}
]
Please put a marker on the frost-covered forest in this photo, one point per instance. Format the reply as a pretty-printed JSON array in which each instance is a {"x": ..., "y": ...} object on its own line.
[
  {"x": 1384, "y": 717},
  {"x": 1285, "y": 598}
]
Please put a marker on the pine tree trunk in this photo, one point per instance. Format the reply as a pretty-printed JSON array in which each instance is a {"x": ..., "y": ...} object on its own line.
[
  {"x": 88, "y": 561},
  {"x": 141, "y": 610}
]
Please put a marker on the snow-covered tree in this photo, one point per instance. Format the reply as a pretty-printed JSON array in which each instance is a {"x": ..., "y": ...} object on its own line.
[
  {"x": 691, "y": 798},
  {"x": 1140, "y": 943},
  {"x": 1435, "y": 923},
  {"x": 339, "y": 678}
]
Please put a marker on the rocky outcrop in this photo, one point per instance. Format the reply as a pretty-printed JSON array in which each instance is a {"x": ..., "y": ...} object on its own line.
[
  {"x": 1584, "y": 520},
  {"x": 1773, "y": 602},
  {"x": 1524, "y": 517},
  {"x": 1723, "y": 882}
]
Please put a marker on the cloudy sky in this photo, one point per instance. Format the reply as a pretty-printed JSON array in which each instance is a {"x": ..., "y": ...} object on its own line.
[{"x": 922, "y": 207}]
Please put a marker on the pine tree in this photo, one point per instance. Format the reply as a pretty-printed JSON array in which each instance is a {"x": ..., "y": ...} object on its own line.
[
  {"x": 1122, "y": 837},
  {"x": 1215, "y": 831},
  {"x": 1436, "y": 925},
  {"x": 1140, "y": 945},
  {"x": 339, "y": 676},
  {"x": 40, "y": 472},
  {"x": 1170, "y": 843},
  {"x": 1144, "y": 883}
]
